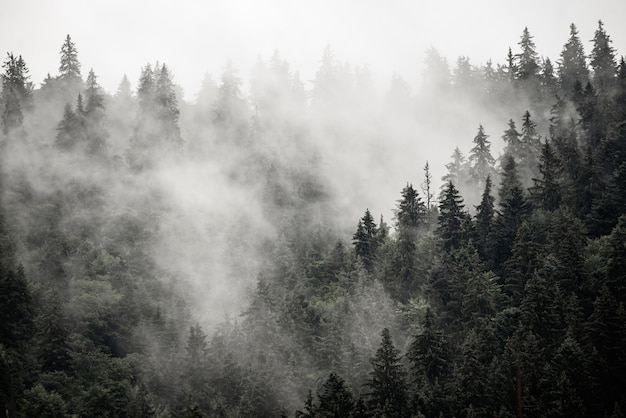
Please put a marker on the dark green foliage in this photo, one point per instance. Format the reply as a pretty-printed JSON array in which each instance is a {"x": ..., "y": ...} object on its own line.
[
  {"x": 546, "y": 193},
  {"x": 365, "y": 240},
  {"x": 16, "y": 309},
  {"x": 387, "y": 383},
  {"x": 602, "y": 61},
  {"x": 485, "y": 213},
  {"x": 514, "y": 309},
  {"x": 572, "y": 65},
  {"x": 450, "y": 219}
]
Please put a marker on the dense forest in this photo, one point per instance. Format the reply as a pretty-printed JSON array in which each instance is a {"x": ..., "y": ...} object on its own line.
[{"x": 167, "y": 258}]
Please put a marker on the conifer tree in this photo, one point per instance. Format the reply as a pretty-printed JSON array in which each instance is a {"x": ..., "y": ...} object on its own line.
[
  {"x": 512, "y": 141},
  {"x": 335, "y": 398},
  {"x": 546, "y": 191},
  {"x": 16, "y": 93},
  {"x": 69, "y": 70},
  {"x": 485, "y": 212},
  {"x": 572, "y": 64},
  {"x": 365, "y": 240},
  {"x": 451, "y": 217},
  {"x": 527, "y": 66},
  {"x": 602, "y": 60},
  {"x": 531, "y": 147},
  {"x": 457, "y": 169},
  {"x": 480, "y": 159},
  {"x": 388, "y": 392}
]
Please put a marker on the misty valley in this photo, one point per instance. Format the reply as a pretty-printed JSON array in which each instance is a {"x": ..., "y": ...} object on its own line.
[{"x": 280, "y": 247}]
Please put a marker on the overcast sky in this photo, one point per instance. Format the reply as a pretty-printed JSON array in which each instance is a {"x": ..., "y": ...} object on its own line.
[{"x": 117, "y": 37}]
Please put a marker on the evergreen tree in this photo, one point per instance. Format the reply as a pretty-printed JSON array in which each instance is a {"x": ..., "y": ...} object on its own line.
[
  {"x": 546, "y": 192},
  {"x": 509, "y": 178},
  {"x": 365, "y": 240},
  {"x": 335, "y": 398},
  {"x": 450, "y": 219},
  {"x": 484, "y": 219},
  {"x": 16, "y": 93},
  {"x": 167, "y": 108},
  {"x": 549, "y": 81},
  {"x": 69, "y": 70},
  {"x": 411, "y": 212},
  {"x": 427, "y": 189},
  {"x": 602, "y": 60},
  {"x": 512, "y": 141},
  {"x": 480, "y": 159},
  {"x": 527, "y": 66},
  {"x": 52, "y": 338},
  {"x": 573, "y": 64},
  {"x": 388, "y": 392},
  {"x": 457, "y": 169},
  {"x": 93, "y": 95},
  {"x": 531, "y": 148}
]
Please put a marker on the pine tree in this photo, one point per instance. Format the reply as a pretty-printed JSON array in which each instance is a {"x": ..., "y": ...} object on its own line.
[
  {"x": 509, "y": 178},
  {"x": 388, "y": 391},
  {"x": 572, "y": 65},
  {"x": 69, "y": 69},
  {"x": 480, "y": 159}
]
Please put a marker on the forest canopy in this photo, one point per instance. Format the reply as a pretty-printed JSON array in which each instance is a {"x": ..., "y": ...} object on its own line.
[{"x": 160, "y": 257}]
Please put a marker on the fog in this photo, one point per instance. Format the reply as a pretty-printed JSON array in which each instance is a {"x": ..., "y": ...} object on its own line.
[{"x": 267, "y": 161}]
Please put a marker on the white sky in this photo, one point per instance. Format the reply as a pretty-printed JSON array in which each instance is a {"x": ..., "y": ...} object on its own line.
[{"x": 116, "y": 37}]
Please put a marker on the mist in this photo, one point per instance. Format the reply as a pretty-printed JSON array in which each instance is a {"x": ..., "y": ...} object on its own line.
[{"x": 209, "y": 243}]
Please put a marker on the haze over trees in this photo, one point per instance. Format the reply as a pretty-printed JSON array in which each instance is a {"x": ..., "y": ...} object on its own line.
[{"x": 174, "y": 259}]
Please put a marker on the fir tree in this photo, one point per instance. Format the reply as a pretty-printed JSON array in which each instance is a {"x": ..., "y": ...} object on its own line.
[
  {"x": 546, "y": 192},
  {"x": 527, "y": 67},
  {"x": 69, "y": 70},
  {"x": 484, "y": 219},
  {"x": 364, "y": 240},
  {"x": 573, "y": 64},
  {"x": 602, "y": 60},
  {"x": 480, "y": 159},
  {"x": 388, "y": 392},
  {"x": 451, "y": 217},
  {"x": 16, "y": 93}
]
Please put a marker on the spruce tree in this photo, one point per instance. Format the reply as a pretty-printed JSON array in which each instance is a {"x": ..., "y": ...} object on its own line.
[
  {"x": 480, "y": 159},
  {"x": 450, "y": 219},
  {"x": 602, "y": 60},
  {"x": 572, "y": 64},
  {"x": 485, "y": 212},
  {"x": 365, "y": 240},
  {"x": 546, "y": 192},
  {"x": 16, "y": 93},
  {"x": 387, "y": 383},
  {"x": 527, "y": 66},
  {"x": 69, "y": 70}
]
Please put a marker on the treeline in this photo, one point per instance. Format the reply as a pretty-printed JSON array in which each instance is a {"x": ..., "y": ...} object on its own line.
[{"x": 512, "y": 306}]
